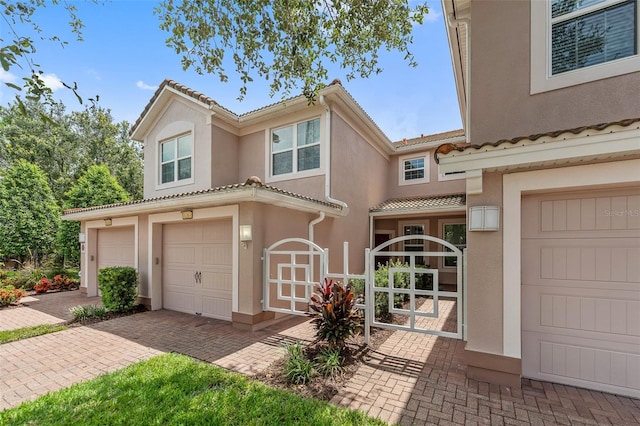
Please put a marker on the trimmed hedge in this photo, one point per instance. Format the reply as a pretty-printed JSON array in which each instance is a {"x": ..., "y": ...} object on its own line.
[{"x": 119, "y": 287}]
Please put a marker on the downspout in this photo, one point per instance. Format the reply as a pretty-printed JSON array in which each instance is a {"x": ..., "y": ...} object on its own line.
[
  {"x": 459, "y": 22},
  {"x": 327, "y": 175},
  {"x": 315, "y": 221}
]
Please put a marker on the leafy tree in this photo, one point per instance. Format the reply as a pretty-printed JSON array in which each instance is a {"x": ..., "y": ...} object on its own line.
[
  {"x": 288, "y": 42},
  {"x": 20, "y": 50},
  {"x": 95, "y": 188},
  {"x": 68, "y": 144},
  {"x": 29, "y": 215}
]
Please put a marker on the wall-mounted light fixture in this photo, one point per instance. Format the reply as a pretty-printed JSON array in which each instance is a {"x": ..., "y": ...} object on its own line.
[
  {"x": 108, "y": 222},
  {"x": 484, "y": 218},
  {"x": 245, "y": 235},
  {"x": 187, "y": 214},
  {"x": 82, "y": 237}
]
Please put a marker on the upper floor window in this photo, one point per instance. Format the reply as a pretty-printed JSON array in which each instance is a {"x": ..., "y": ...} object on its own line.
[
  {"x": 176, "y": 160},
  {"x": 295, "y": 148},
  {"x": 414, "y": 169},
  {"x": 577, "y": 41}
]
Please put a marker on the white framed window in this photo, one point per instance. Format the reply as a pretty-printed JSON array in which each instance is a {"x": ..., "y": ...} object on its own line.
[
  {"x": 413, "y": 169},
  {"x": 417, "y": 244},
  {"x": 577, "y": 41},
  {"x": 451, "y": 176},
  {"x": 295, "y": 148},
  {"x": 453, "y": 231},
  {"x": 176, "y": 161}
]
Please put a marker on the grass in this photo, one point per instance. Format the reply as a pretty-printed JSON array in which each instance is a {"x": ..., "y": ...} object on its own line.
[
  {"x": 26, "y": 332},
  {"x": 174, "y": 389}
]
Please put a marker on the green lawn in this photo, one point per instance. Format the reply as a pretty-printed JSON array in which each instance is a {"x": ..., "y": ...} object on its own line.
[
  {"x": 26, "y": 332},
  {"x": 174, "y": 389}
]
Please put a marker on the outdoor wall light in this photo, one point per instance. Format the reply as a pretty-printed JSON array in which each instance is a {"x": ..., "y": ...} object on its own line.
[
  {"x": 484, "y": 218},
  {"x": 245, "y": 235},
  {"x": 108, "y": 222},
  {"x": 187, "y": 214}
]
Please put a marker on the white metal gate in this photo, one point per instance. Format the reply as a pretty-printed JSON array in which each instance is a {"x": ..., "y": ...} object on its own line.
[
  {"x": 293, "y": 266},
  {"x": 428, "y": 309}
]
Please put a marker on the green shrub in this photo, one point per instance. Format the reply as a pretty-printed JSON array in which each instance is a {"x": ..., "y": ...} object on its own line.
[
  {"x": 119, "y": 287},
  {"x": 334, "y": 314},
  {"x": 84, "y": 312},
  {"x": 297, "y": 368},
  {"x": 400, "y": 280},
  {"x": 329, "y": 362},
  {"x": 3, "y": 274}
]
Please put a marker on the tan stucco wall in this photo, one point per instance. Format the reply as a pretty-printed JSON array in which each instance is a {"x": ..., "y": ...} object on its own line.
[
  {"x": 143, "y": 255},
  {"x": 224, "y": 157},
  {"x": 501, "y": 106},
  {"x": 433, "y": 187},
  {"x": 251, "y": 156},
  {"x": 484, "y": 275}
]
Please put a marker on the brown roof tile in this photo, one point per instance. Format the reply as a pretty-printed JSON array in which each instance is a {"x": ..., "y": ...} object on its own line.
[
  {"x": 421, "y": 203},
  {"x": 449, "y": 147},
  {"x": 220, "y": 189},
  {"x": 429, "y": 138}
]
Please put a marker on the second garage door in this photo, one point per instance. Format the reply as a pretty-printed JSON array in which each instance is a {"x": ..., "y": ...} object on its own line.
[
  {"x": 581, "y": 289},
  {"x": 197, "y": 268},
  {"x": 116, "y": 247}
]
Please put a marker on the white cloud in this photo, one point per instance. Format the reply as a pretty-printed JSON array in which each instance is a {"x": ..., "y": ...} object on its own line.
[
  {"x": 7, "y": 77},
  {"x": 52, "y": 81},
  {"x": 142, "y": 85},
  {"x": 93, "y": 73},
  {"x": 433, "y": 16}
]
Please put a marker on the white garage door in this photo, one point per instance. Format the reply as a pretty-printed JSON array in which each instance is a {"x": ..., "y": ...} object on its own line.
[
  {"x": 197, "y": 268},
  {"x": 116, "y": 247},
  {"x": 581, "y": 289}
]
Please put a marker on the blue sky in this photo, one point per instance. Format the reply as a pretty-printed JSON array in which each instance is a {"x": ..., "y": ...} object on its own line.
[{"x": 123, "y": 59}]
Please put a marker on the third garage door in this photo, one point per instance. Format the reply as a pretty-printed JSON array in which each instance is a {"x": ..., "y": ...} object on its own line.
[
  {"x": 581, "y": 289},
  {"x": 197, "y": 268}
]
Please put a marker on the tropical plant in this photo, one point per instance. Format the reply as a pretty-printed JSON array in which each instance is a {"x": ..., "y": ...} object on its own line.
[
  {"x": 43, "y": 286},
  {"x": 9, "y": 294},
  {"x": 334, "y": 314},
  {"x": 297, "y": 368}
]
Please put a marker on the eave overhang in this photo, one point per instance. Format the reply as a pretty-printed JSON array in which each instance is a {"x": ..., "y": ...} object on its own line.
[{"x": 233, "y": 194}]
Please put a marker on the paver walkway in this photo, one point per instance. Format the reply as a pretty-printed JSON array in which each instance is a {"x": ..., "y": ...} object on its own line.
[
  {"x": 48, "y": 308},
  {"x": 411, "y": 379}
]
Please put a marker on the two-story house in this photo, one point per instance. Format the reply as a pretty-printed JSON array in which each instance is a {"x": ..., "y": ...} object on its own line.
[
  {"x": 550, "y": 93},
  {"x": 220, "y": 187}
]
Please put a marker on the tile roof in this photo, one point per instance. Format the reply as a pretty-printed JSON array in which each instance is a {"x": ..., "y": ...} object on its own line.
[
  {"x": 421, "y": 203},
  {"x": 449, "y": 147},
  {"x": 429, "y": 138},
  {"x": 218, "y": 190}
]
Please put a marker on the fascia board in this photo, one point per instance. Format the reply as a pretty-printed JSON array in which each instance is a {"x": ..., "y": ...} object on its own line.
[
  {"x": 456, "y": 55},
  {"x": 541, "y": 151},
  {"x": 402, "y": 149}
]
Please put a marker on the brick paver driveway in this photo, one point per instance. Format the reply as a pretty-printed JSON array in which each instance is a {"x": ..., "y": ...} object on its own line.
[{"x": 410, "y": 379}]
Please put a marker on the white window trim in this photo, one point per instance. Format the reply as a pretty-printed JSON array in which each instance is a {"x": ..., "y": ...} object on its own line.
[
  {"x": 294, "y": 175},
  {"x": 541, "y": 78},
  {"x": 174, "y": 131},
  {"x": 424, "y": 223},
  {"x": 402, "y": 159},
  {"x": 441, "y": 224}
]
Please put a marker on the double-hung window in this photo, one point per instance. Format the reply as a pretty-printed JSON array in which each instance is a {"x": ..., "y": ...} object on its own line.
[
  {"x": 456, "y": 234},
  {"x": 414, "y": 244},
  {"x": 576, "y": 41},
  {"x": 295, "y": 148},
  {"x": 176, "y": 160},
  {"x": 414, "y": 169}
]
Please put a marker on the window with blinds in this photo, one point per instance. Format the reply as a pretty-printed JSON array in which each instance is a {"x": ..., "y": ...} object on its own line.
[{"x": 591, "y": 32}]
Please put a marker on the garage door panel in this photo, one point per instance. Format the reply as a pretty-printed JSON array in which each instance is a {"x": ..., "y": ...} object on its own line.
[
  {"x": 581, "y": 289},
  {"x": 204, "y": 248},
  {"x": 607, "y": 260},
  {"x": 592, "y": 310},
  {"x": 611, "y": 366}
]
